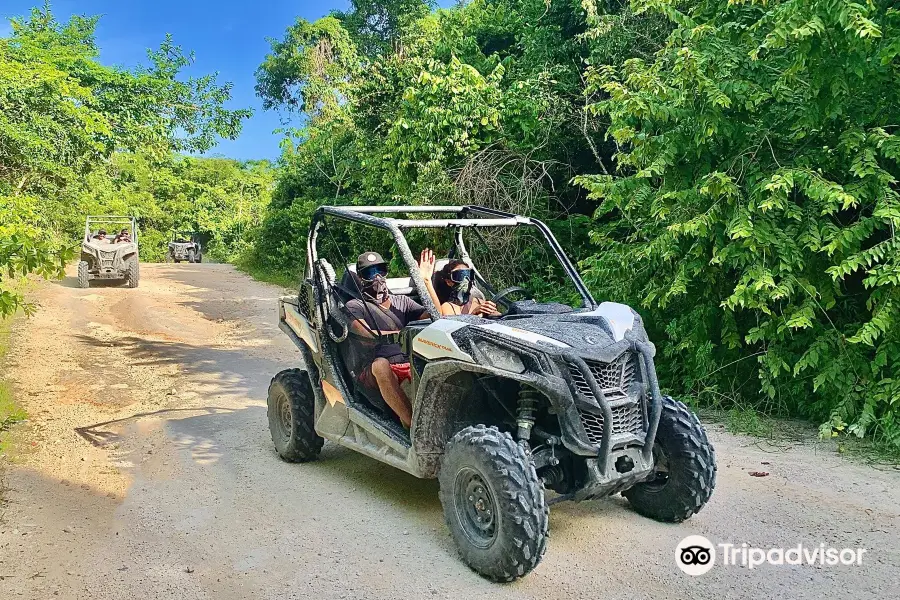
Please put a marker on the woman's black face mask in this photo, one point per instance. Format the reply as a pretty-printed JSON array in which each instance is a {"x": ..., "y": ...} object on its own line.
[{"x": 461, "y": 280}]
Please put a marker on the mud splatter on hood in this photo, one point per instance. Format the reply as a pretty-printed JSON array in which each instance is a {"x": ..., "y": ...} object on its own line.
[{"x": 582, "y": 333}]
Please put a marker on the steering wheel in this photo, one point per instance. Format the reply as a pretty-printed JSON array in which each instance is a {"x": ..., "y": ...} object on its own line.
[{"x": 502, "y": 294}]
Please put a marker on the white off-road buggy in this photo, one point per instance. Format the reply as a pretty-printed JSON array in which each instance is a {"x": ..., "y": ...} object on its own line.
[
  {"x": 108, "y": 252},
  {"x": 546, "y": 397}
]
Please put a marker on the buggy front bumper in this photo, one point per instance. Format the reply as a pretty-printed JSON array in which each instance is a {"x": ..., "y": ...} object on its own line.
[
  {"x": 617, "y": 466},
  {"x": 602, "y": 482},
  {"x": 652, "y": 399},
  {"x": 548, "y": 373}
]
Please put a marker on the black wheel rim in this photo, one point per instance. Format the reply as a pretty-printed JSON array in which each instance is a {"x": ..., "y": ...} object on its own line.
[
  {"x": 660, "y": 476},
  {"x": 283, "y": 417},
  {"x": 476, "y": 508}
]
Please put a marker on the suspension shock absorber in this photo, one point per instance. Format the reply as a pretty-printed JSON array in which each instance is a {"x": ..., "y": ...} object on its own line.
[{"x": 528, "y": 403}]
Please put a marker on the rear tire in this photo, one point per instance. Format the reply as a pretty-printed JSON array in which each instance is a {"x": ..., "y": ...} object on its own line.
[
  {"x": 493, "y": 503},
  {"x": 291, "y": 412},
  {"x": 685, "y": 468},
  {"x": 84, "y": 278},
  {"x": 132, "y": 272}
]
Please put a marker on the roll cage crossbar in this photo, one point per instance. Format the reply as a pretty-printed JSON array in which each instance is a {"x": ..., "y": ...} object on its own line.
[
  {"x": 462, "y": 217},
  {"x": 110, "y": 220}
]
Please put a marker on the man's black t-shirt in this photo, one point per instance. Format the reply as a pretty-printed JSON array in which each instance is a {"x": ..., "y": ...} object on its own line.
[{"x": 402, "y": 311}]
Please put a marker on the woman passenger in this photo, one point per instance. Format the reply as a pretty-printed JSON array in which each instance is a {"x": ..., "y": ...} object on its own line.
[{"x": 453, "y": 288}]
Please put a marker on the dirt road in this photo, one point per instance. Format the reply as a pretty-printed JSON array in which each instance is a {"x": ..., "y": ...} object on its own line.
[{"x": 146, "y": 471}]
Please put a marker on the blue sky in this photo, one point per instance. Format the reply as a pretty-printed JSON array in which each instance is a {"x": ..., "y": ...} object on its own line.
[{"x": 228, "y": 36}]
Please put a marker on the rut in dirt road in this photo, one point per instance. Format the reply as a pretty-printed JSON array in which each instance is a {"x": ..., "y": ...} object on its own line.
[{"x": 146, "y": 470}]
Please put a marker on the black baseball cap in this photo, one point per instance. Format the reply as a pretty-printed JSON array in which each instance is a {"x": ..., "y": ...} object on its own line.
[{"x": 367, "y": 259}]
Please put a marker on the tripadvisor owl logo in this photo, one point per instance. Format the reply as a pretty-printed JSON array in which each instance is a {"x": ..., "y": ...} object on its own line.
[{"x": 695, "y": 555}]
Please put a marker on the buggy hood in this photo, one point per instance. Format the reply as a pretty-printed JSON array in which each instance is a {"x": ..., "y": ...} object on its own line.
[{"x": 584, "y": 330}]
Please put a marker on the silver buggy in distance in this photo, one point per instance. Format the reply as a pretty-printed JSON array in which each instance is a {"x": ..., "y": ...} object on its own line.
[
  {"x": 113, "y": 255},
  {"x": 546, "y": 397},
  {"x": 184, "y": 247}
]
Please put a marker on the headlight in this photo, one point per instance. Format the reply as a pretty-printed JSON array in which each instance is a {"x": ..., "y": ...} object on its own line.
[{"x": 499, "y": 358}]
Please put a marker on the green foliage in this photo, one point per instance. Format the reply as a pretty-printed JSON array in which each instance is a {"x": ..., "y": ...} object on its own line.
[
  {"x": 10, "y": 412},
  {"x": 446, "y": 105},
  {"x": 220, "y": 199},
  {"x": 375, "y": 25},
  {"x": 317, "y": 58},
  {"x": 755, "y": 209},
  {"x": 729, "y": 166},
  {"x": 23, "y": 251}
]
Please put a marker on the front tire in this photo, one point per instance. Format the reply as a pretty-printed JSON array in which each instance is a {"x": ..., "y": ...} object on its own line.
[
  {"x": 685, "y": 464},
  {"x": 132, "y": 272},
  {"x": 191, "y": 256},
  {"x": 493, "y": 503},
  {"x": 291, "y": 412},
  {"x": 84, "y": 278}
]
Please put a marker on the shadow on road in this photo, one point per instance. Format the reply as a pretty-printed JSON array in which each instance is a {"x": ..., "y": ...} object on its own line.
[
  {"x": 72, "y": 282},
  {"x": 96, "y": 435},
  {"x": 241, "y": 376},
  {"x": 235, "y": 372},
  {"x": 416, "y": 496}
]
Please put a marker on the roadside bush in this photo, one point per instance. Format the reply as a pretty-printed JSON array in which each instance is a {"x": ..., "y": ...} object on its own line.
[{"x": 755, "y": 209}]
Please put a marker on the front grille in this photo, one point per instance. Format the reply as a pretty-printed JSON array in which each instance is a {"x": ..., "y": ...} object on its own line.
[
  {"x": 627, "y": 419},
  {"x": 107, "y": 258},
  {"x": 615, "y": 379},
  {"x": 593, "y": 426}
]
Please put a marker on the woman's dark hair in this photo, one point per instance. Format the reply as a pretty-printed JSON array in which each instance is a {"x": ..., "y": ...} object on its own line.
[{"x": 444, "y": 291}]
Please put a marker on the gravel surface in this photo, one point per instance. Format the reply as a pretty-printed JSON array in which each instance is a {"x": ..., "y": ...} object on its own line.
[{"x": 146, "y": 471}]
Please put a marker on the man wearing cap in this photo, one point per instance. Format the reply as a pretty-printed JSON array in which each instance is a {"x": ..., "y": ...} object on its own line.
[{"x": 381, "y": 313}]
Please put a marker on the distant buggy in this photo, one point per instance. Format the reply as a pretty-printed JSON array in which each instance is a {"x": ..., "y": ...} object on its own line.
[
  {"x": 184, "y": 246},
  {"x": 109, "y": 250},
  {"x": 548, "y": 396}
]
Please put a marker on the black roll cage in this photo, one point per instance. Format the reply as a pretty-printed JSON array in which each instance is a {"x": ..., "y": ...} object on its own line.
[{"x": 464, "y": 217}]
